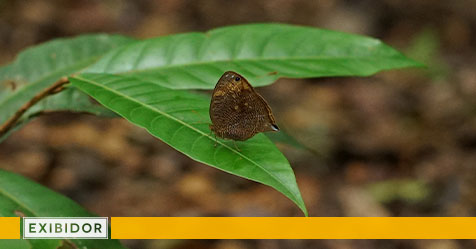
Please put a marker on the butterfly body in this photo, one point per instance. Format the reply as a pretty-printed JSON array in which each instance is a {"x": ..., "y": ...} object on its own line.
[{"x": 237, "y": 111}]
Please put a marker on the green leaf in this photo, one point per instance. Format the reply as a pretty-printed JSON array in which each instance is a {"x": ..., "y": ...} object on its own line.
[
  {"x": 71, "y": 99},
  {"x": 408, "y": 190},
  {"x": 180, "y": 118},
  {"x": 261, "y": 52},
  {"x": 19, "y": 195},
  {"x": 425, "y": 47},
  {"x": 14, "y": 244},
  {"x": 39, "y": 67}
]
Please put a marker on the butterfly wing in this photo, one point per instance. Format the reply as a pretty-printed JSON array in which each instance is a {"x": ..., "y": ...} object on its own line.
[
  {"x": 237, "y": 111},
  {"x": 223, "y": 114},
  {"x": 259, "y": 114}
]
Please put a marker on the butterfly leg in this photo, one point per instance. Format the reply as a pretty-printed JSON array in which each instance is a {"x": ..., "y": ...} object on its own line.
[
  {"x": 214, "y": 134},
  {"x": 234, "y": 143}
]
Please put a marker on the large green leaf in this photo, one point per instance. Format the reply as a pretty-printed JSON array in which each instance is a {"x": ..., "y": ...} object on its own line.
[
  {"x": 180, "y": 118},
  {"x": 261, "y": 52},
  {"x": 39, "y": 67},
  {"x": 19, "y": 195}
]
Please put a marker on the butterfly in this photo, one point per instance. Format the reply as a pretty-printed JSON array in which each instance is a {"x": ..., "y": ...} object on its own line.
[{"x": 237, "y": 111}]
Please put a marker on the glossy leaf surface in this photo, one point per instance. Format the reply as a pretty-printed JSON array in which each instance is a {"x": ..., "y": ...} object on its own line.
[
  {"x": 180, "y": 118},
  {"x": 260, "y": 52}
]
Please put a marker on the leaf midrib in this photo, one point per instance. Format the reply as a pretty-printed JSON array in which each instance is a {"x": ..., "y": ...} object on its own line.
[
  {"x": 197, "y": 63},
  {"x": 188, "y": 126}
]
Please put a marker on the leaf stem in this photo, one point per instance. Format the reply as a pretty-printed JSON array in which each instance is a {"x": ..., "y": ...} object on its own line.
[{"x": 57, "y": 87}]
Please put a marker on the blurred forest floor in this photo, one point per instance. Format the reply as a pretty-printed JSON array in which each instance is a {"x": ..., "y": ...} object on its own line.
[{"x": 400, "y": 143}]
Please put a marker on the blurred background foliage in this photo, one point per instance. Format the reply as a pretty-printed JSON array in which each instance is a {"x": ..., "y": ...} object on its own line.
[{"x": 401, "y": 143}]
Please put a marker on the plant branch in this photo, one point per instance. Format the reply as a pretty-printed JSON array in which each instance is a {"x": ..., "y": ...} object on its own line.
[{"x": 57, "y": 87}]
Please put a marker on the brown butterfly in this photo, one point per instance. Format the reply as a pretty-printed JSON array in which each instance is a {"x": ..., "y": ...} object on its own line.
[{"x": 237, "y": 111}]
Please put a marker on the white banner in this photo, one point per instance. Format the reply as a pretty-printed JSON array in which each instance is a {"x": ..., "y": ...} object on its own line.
[{"x": 59, "y": 228}]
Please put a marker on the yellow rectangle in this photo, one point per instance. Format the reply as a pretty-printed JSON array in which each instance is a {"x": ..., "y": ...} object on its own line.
[
  {"x": 9, "y": 227},
  {"x": 293, "y": 227}
]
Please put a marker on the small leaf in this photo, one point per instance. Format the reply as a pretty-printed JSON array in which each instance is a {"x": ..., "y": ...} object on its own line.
[
  {"x": 38, "y": 67},
  {"x": 180, "y": 119},
  {"x": 19, "y": 195},
  {"x": 409, "y": 190},
  {"x": 14, "y": 244},
  {"x": 261, "y": 52}
]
